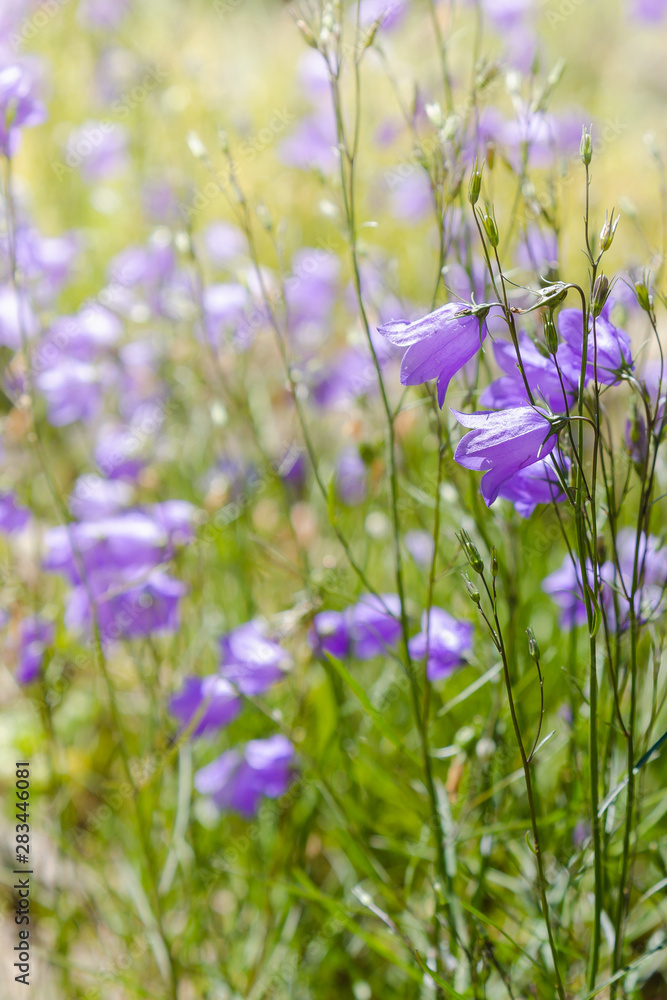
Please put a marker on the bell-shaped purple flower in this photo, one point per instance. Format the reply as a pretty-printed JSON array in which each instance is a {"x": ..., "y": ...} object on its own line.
[
  {"x": 448, "y": 642},
  {"x": 502, "y": 444},
  {"x": 538, "y": 483},
  {"x": 19, "y": 108},
  {"x": 238, "y": 779},
  {"x": 614, "y": 352},
  {"x": 420, "y": 545},
  {"x": 564, "y": 587},
  {"x": 35, "y": 636},
  {"x": 94, "y": 497},
  {"x": 351, "y": 477},
  {"x": 330, "y": 634},
  {"x": 374, "y": 624},
  {"x": 438, "y": 345},
  {"x": 540, "y": 371},
  {"x": 126, "y": 610},
  {"x": 13, "y": 517},
  {"x": 222, "y": 701},
  {"x": 252, "y": 661}
]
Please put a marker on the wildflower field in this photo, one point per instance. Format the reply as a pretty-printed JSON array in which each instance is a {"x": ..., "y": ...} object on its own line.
[{"x": 332, "y": 495}]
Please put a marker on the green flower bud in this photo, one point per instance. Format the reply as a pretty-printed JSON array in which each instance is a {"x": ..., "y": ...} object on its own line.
[
  {"x": 470, "y": 550},
  {"x": 550, "y": 331},
  {"x": 490, "y": 227},
  {"x": 475, "y": 185},
  {"x": 473, "y": 592},
  {"x": 586, "y": 146},
  {"x": 600, "y": 294},
  {"x": 608, "y": 230},
  {"x": 533, "y": 648},
  {"x": 644, "y": 297},
  {"x": 494, "y": 563}
]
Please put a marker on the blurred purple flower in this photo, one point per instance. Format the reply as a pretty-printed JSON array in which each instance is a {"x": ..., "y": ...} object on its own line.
[
  {"x": 420, "y": 546},
  {"x": 224, "y": 703},
  {"x": 117, "y": 452},
  {"x": 411, "y": 197},
  {"x": 538, "y": 250},
  {"x": 252, "y": 661},
  {"x": 374, "y": 624},
  {"x": 16, "y": 318},
  {"x": 121, "y": 548},
  {"x": 502, "y": 444},
  {"x": 448, "y": 642},
  {"x": 35, "y": 636},
  {"x": 239, "y": 778},
  {"x": 19, "y": 107},
  {"x": 564, "y": 587},
  {"x": 127, "y": 610},
  {"x": 329, "y": 634},
  {"x": 438, "y": 345},
  {"x": 312, "y": 287},
  {"x": 94, "y": 497},
  {"x": 104, "y": 14},
  {"x": 351, "y": 477},
  {"x": 388, "y": 13},
  {"x": 13, "y": 517},
  {"x": 83, "y": 336},
  {"x": 224, "y": 242},
  {"x": 648, "y": 11},
  {"x": 312, "y": 144},
  {"x": 73, "y": 391},
  {"x": 99, "y": 150}
]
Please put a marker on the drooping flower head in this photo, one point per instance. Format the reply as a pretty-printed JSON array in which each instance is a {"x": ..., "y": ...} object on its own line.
[
  {"x": 538, "y": 483},
  {"x": 438, "y": 345},
  {"x": 19, "y": 107},
  {"x": 238, "y": 779},
  {"x": 502, "y": 444},
  {"x": 35, "y": 636},
  {"x": 374, "y": 624},
  {"x": 251, "y": 660},
  {"x": 443, "y": 640},
  {"x": 222, "y": 702}
]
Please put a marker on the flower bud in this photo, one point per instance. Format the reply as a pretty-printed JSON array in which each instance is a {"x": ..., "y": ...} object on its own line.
[
  {"x": 490, "y": 154},
  {"x": 308, "y": 35},
  {"x": 550, "y": 331},
  {"x": 533, "y": 648},
  {"x": 494, "y": 562},
  {"x": 586, "y": 146},
  {"x": 475, "y": 184},
  {"x": 473, "y": 592},
  {"x": 644, "y": 297},
  {"x": 490, "y": 227},
  {"x": 470, "y": 550},
  {"x": 608, "y": 230},
  {"x": 600, "y": 294}
]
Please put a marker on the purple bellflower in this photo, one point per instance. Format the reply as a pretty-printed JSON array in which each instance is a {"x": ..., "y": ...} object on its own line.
[
  {"x": 222, "y": 701},
  {"x": 13, "y": 517},
  {"x": 502, "y": 444},
  {"x": 35, "y": 636},
  {"x": 538, "y": 483},
  {"x": 329, "y": 634},
  {"x": 374, "y": 624},
  {"x": 438, "y": 345},
  {"x": 448, "y": 642},
  {"x": 252, "y": 661},
  {"x": 238, "y": 779}
]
